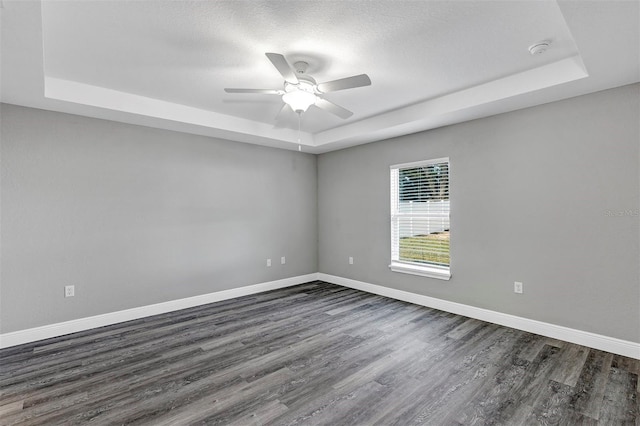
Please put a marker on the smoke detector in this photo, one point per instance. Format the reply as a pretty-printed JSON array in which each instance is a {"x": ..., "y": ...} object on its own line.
[{"x": 539, "y": 47}]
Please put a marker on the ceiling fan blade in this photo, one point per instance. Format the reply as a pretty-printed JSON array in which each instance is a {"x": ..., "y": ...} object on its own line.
[
  {"x": 333, "y": 108},
  {"x": 263, "y": 91},
  {"x": 283, "y": 67},
  {"x": 281, "y": 117},
  {"x": 345, "y": 83},
  {"x": 280, "y": 113}
]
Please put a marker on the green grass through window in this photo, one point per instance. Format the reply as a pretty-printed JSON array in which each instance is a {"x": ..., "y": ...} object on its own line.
[{"x": 432, "y": 248}]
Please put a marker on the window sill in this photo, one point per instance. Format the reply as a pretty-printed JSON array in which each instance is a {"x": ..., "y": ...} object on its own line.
[{"x": 424, "y": 271}]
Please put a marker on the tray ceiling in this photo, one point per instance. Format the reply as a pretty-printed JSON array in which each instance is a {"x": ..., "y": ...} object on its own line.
[{"x": 432, "y": 63}]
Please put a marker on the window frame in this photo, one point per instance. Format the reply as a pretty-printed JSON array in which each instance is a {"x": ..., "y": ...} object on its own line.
[{"x": 414, "y": 268}]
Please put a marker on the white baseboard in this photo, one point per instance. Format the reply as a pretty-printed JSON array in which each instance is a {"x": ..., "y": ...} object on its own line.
[
  {"x": 81, "y": 324},
  {"x": 592, "y": 340}
]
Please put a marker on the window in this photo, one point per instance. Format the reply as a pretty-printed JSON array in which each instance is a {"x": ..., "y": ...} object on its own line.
[{"x": 420, "y": 218}]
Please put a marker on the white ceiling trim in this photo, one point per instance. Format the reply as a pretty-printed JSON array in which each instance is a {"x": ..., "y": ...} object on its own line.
[
  {"x": 563, "y": 71},
  {"x": 220, "y": 124}
]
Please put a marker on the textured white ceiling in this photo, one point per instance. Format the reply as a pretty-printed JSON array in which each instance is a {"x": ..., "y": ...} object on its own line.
[
  {"x": 187, "y": 52},
  {"x": 165, "y": 63}
]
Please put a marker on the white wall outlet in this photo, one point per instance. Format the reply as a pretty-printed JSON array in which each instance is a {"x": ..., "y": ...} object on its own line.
[
  {"x": 268, "y": 262},
  {"x": 350, "y": 260},
  {"x": 518, "y": 287},
  {"x": 69, "y": 290},
  {"x": 283, "y": 260}
]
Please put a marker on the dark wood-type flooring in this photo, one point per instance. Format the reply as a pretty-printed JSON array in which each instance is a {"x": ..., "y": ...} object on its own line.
[{"x": 309, "y": 355}]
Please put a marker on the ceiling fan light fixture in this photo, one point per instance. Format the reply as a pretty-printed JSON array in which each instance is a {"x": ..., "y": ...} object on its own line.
[
  {"x": 299, "y": 100},
  {"x": 301, "y": 90}
]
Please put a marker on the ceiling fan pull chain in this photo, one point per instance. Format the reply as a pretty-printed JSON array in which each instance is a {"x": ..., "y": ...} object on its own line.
[{"x": 299, "y": 119}]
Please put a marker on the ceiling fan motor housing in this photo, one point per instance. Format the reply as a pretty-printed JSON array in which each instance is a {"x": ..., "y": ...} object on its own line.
[{"x": 301, "y": 67}]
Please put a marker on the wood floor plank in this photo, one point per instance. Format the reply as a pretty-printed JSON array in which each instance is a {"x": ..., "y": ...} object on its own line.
[
  {"x": 628, "y": 364},
  {"x": 350, "y": 306},
  {"x": 372, "y": 370},
  {"x": 11, "y": 408},
  {"x": 550, "y": 404},
  {"x": 590, "y": 388},
  {"x": 464, "y": 328},
  {"x": 532, "y": 350},
  {"x": 570, "y": 364},
  {"x": 208, "y": 406},
  {"x": 41, "y": 409},
  {"x": 262, "y": 415},
  {"x": 620, "y": 402},
  {"x": 314, "y": 354},
  {"x": 333, "y": 406}
]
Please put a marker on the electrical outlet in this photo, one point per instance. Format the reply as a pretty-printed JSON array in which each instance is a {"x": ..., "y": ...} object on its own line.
[
  {"x": 268, "y": 262},
  {"x": 283, "y": 260},
  {"x": 69, "y": 291},
  {"x": 518, "y": 287},
  {"x": 350, "y": 260}
]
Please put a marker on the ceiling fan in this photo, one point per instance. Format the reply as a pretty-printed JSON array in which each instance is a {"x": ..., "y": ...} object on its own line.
[{"x": 301, "y": 90}]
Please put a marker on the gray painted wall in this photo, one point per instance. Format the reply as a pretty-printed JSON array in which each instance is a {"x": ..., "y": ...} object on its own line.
[
  {"x": 531, "y": 193},
  {"x": 134, "y": 216}
]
